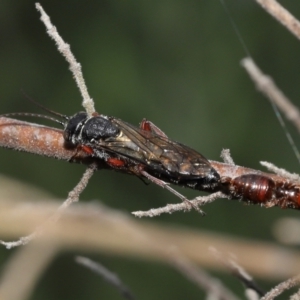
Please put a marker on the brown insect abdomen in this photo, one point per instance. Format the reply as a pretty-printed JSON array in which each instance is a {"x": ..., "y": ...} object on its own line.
[{"x": 253, "y": 187}]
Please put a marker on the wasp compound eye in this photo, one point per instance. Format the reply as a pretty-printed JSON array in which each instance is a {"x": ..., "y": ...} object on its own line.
[
  {"x": 98, "y": 128},
  {"x": 73, "y": 128}
]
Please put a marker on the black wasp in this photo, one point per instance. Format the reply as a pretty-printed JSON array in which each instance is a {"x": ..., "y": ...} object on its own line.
[{"x": 145, "y": 151}]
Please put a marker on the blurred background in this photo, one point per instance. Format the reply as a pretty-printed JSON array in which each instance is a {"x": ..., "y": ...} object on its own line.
[{"x": 176, "y": 63}]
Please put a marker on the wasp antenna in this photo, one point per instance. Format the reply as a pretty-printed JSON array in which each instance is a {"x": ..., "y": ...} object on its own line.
[
  {"x": 43, "y": 107},
  {"x": 23, "y": 114}
]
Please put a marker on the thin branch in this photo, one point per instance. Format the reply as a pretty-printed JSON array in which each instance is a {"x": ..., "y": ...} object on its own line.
[
  {"x": 280, "y": 288},
  {"x": 213, "y": 287},
  {"x": 107, "y": 275},
  {"x": 238, "y": 271},
  {"x": 296, "y": 296},
  {"x": 41, "y": 140},
  {"x": 79, "y": 188},
  {"x": 226, "y": 156},
  {"x": 96, "y": 228},
  {"x": 75, "y": 67},
  {"x": 170, "y": 208},
  {"x": 282, "y": 15},
  {"x": 266, "y": 85},
  {"x": 72, "y": 197},
  {"x": 281, "y": 172},
  {"x": 46, "y": 141}
]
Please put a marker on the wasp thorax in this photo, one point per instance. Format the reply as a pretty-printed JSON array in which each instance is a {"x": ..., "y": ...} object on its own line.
[{"x": 97, "y": 128}]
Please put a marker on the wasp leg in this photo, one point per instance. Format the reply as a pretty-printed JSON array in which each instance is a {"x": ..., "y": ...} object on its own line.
[
  {"x": 165, "y": 185},
  {"x": 149, "y": 126}
]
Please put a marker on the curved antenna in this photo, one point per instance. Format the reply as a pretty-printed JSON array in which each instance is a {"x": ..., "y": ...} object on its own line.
[
  {"x": 35, "y": 115},
  {"x": 44, "y": 108}
]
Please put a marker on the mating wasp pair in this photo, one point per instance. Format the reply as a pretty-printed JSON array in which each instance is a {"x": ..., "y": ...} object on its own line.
[{"x": 148, "y": 153}]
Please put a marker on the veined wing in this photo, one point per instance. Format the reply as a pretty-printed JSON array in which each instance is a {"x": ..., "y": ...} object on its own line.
[{"x": 157, "y": 152}]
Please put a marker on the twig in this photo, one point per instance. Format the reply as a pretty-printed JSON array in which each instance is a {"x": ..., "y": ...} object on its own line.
[
  {"x": 72, "y": 197},
  {"x": 41, "y": 140},
  {"x": 266, "y": 85},
  {"x": 213, "y": 287},
  {"x": 107, "y": 275},
  {"x": 280, "y": 288},
  {"x": 75, "y": 67},
  {"x": 238, "y": 271},
  {"x": 281, "y": 172},
  {"x": 170, "y": 208},
  {"x": 46, "y": 141},
  {"x": 282, "y": 15},
  {"x": 226, "y": 156},
  {"x": 96, "y": 228},
  {"x": 34, "y": 138},
  {"x": 296, "y": 296},
  {"x": 79, "y": 188}
]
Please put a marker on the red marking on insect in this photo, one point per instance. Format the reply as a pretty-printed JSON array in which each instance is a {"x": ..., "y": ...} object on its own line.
[
  {"x": 145, "y": 125},
  {"x": 149, "y": 126},
  {"x": 87, "y": 149},
  {"x": 115, "y": 162},
  {"x": 261, "y": 189}
]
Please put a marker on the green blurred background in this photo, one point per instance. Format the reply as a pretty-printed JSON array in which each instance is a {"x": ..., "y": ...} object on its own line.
[{"x": 176, "y": 63}]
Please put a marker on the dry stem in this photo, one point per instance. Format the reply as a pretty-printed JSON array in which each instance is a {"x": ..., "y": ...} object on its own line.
[
  {"x": 75, "y": 67},
  {"x": 107, "y": 275},
  {"x": 212, "y": 286},
  {"x": 282, "y": 15},
  {"x": 72, "y": 197},
  {"x": 266, "y": 85},
  {"x": 280, "y": 288}
]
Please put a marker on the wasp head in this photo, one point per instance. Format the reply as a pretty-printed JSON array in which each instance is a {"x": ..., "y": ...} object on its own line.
[{"x": 83, "y": 129}]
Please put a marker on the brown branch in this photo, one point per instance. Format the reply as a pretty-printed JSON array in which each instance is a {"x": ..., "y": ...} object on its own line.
[
  {"x": 232, "y": 171},
  {"x": 46, "y": 141},
  {"x": 40, "y": 140},
  {"x": 281, "y": 15}
]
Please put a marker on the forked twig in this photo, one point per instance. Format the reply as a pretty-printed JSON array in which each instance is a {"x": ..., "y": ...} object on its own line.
[
  {"x": 238, "y": 271},
  {"x": 56, "y": 143},
  {"x": 72, "y": 197},
  {"x": 170, "y": 208},
  {"x": 212, "y": 286}
]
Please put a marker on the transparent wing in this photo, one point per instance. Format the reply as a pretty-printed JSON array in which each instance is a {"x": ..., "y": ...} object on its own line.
[{"x": 157, "y": 152}]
